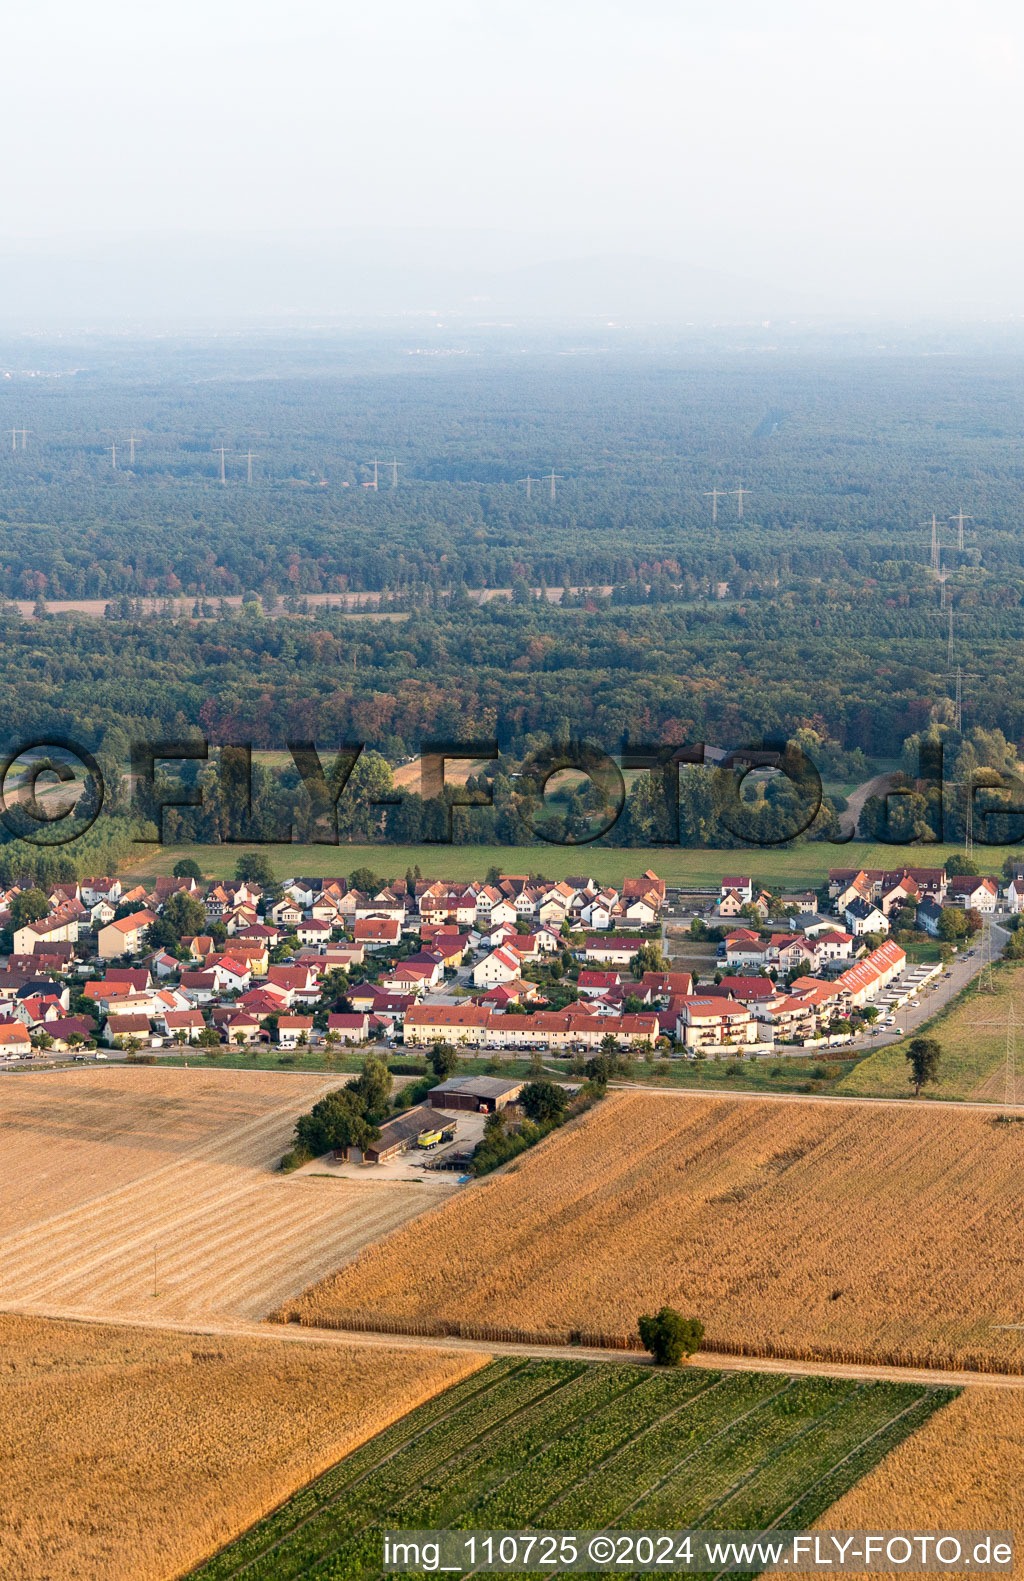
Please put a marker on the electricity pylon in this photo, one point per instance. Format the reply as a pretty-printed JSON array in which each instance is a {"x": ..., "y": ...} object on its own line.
[
  {"x": 960, "y": 518},
  {"x": 714, "y": 495}
]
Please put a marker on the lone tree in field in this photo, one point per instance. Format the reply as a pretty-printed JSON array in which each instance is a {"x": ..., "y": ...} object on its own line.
[
  {"x": 670, "y": 1337},
  {"x": 923, "y": 1054}
]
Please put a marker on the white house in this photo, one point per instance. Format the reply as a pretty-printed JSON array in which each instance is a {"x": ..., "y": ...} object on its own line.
[
  {"x": 863, "y": 916},
  {"x": 500, "y": 967},
  {"x": 977, "y": 894},
  {"x": 1015, "y": 895}
]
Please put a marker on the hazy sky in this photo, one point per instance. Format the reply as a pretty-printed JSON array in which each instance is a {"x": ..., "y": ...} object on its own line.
[{"x": 869, "y": 152}]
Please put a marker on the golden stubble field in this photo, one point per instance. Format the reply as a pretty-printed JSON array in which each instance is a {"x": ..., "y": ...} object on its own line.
[
  {"x": 963, "y": 1471},
  {"x": 154, "y": 1193},
  {"x": 812, "y": 1230},
  {"x": 127, "y": 1452}
]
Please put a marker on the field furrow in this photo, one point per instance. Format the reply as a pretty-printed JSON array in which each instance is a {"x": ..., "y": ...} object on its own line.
[
  {"x": 814, "y": 1231},
  {"x": 211, "y": 1228}
]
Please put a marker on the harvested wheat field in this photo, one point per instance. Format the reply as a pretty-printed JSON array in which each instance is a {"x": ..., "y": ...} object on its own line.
[
  {"x": 66, "y": 1136},
  {"x": 128, "y": 1452},
  {"x": 154, "y": 1192},
  {"x": 817, "y": 1231},
  {"x": 962, "y": 1471}
]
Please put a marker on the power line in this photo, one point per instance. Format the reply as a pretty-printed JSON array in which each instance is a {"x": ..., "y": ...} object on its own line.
[
  {"x": 960, "y": 518},
  {"x": 1010, "y": 1072},
  {"x": 714, "y": 495}
]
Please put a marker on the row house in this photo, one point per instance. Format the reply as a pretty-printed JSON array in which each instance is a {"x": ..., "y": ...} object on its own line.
[
  {"x": 564, "y": 1029},
  {"x": 865, "y": 980},
  {"x": 748, "y": 990}
]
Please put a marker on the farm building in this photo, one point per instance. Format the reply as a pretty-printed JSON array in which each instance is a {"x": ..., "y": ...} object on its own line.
[
  {"x": 404, "y": 1132},
  {"x": 479, "y": 1093}
]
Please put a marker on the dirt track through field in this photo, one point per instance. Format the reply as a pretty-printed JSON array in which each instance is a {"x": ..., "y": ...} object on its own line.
[
  {"x": 296, "y": 1334},
  {"x": 214, "y": 1230}
]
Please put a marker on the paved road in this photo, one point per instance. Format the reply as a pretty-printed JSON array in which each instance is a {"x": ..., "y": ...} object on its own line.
[
  {"x": 293, "y": 1333},
  {"x": 964, "y": 968}
]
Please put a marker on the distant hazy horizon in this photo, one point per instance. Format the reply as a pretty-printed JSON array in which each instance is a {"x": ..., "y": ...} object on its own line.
[{"x": 651, "y": 159}]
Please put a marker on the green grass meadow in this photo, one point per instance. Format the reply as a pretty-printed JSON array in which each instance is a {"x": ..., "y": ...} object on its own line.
[{"x": 790, "y": 867}]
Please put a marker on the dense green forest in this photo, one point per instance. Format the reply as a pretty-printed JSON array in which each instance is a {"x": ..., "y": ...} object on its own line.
[
  {"x": 844, "y": 460},
  {"x": 628, "y": 617}
]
